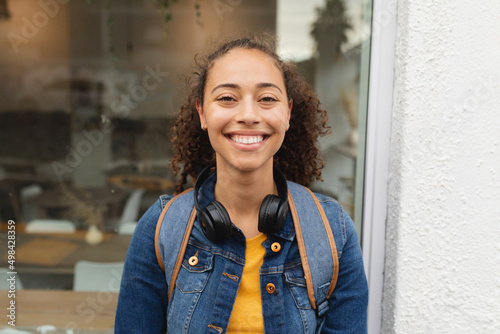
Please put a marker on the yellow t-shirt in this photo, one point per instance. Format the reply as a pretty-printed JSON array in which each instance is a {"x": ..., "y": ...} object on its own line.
[{"x": 247, "y": 309}]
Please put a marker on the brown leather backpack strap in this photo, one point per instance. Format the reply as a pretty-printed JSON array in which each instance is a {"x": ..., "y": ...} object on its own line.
[
  {"x": 313, "y": 232},
  {"x": 302, "y": 251},
  {"x": 333, "y": 246}
]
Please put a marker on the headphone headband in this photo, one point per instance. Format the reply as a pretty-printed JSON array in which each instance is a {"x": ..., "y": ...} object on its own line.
[{"x": 202, "y": 177}]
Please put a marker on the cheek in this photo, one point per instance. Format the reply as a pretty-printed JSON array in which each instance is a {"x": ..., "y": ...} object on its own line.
[
  {"x": 215, "y": 123},
  {"x": 213, "y": 139},
  {"x": 280, "y": 120},
  {"x": 216, "y": 117}
]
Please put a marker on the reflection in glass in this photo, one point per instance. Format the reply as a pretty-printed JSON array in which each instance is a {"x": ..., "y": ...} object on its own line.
[{"x": 88, "y": 93}]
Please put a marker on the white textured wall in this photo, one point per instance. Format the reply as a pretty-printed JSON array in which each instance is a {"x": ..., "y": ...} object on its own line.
[{"x": 442, "y": 271}]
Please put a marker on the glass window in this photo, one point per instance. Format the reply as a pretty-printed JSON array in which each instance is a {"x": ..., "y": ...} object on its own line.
[{"x": 88, "y": 92}]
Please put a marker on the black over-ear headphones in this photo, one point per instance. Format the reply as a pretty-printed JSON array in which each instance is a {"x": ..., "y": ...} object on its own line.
[{"x": 215, "y": 220}]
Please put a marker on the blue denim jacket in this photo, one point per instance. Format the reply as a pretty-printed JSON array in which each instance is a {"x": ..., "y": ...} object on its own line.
[{"x": 204, "y": 296}]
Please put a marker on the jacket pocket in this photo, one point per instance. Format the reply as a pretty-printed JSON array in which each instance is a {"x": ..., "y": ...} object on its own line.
[
  {"x": 296, "y": 283},
  {"x": 191, "y": 281},
  {"x": 196, "y": 268}
]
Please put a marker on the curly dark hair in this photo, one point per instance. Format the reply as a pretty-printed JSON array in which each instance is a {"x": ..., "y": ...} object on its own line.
[{"x": 299, "y": 157}]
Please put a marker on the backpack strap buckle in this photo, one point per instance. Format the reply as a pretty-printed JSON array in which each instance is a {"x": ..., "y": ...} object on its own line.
[{"x": 322, "y": 308}]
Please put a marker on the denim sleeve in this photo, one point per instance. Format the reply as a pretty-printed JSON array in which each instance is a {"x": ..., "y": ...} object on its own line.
[
  {"x": 142, "y": 301},
  {"x": 349, "y": 301}
]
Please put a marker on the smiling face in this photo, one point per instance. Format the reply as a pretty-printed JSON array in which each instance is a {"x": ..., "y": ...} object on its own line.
[{"x": 245, "y": 109}]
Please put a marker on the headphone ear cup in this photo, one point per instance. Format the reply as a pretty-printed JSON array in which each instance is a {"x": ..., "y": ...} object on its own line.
[
  {"x": 281, "y": 215},
  {"x": 268, "y": 222},
  {"x": 218, "y": 223},
  {"x": 206, "y": 225}
]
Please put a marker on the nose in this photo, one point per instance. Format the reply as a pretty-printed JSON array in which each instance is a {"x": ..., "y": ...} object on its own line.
[{"x": 248, "y": 113}]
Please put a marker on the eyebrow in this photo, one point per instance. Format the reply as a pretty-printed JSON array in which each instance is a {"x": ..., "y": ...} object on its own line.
[
  {"x": 236, "y": 86},
  {"x": 268, "y": 84}
]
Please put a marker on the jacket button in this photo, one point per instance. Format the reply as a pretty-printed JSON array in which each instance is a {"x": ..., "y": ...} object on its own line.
[
  {"x": 193, "y": 261},
  {"x": 276, "y": 247},
  {"x": 270, "y": 288}
]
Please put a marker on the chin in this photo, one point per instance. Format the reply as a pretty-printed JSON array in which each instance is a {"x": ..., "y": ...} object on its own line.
[{"x": 247, "y": 166}]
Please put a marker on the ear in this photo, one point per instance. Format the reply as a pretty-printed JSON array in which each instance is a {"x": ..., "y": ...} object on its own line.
[
  {"x": 290, "y": 105},
  {"x": 199, "y": 108}
]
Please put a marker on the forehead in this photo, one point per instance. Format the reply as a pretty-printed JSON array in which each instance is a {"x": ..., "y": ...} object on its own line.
[{"x": 245, "y": 65}]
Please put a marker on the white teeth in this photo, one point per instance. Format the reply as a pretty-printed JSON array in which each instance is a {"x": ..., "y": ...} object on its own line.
[{"x": 247, "y": 139}]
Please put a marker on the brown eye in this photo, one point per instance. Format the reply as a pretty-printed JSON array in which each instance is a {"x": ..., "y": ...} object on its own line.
[
  {"x": 225, "y": 99},
  {"x": 268, "y": 99}
]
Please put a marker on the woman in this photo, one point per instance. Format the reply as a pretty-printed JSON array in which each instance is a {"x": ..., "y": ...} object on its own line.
[{"x": 249, "y": 116}]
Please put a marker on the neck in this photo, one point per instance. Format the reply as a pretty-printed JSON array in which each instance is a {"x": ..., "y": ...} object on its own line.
[{"x": 242, "y": 194}]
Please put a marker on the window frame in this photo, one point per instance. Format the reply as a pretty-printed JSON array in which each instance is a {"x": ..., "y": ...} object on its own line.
[{"x": 377, "y": 154}]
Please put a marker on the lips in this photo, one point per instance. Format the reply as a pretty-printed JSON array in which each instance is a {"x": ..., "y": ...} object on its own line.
[{"x": 247, "y": 139}]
